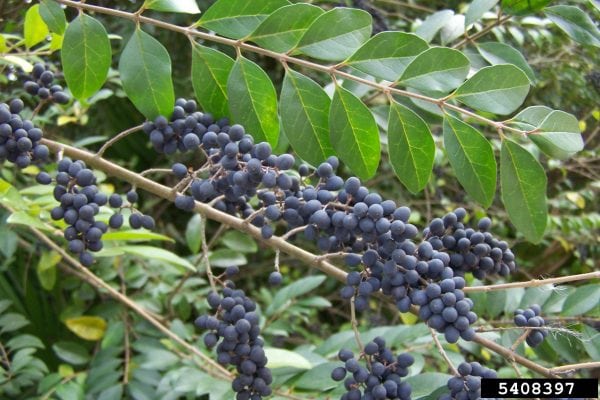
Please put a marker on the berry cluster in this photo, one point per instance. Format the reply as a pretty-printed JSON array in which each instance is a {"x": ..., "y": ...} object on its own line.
[
  {"x": 446, "y": 309},
  {"x": 19, "y": 138},
  {"x": 185, "y": 130},
  {"x": 530, "y": 317},
  {"x": 40, "y": 84},
  {"x": 137, "y": 220},
  {"x": 467, "y": 386},
  {"x": 80, "y": 201},
  {"x": 340, "y": 216},
  {"x": 412, "y": 275},
  {"x": 235, "y": 332},
  {"x": 379, "y": 378},
  {"x": 475, "y": 251}
]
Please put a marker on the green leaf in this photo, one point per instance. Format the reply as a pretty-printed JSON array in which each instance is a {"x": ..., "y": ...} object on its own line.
[
  {"x": 35, "y": 29},
  {"x": 532, "y": 116},
  {"x": 499, "y": 89},
  {"x": 500, "y": 53},
  {"x": 318, "y": 378},
  {"x": 238, "y": 241},
  {"x": 23, "y": 218},
  {"x": 426, "y": 383},
  {"x": 155, "y": 253},
  {"x": 293, "y": 290},
  {"x": 575, "y": 23},
  {"x": 433, "y": 23},
  {"x": 2, "y": 44},
  {"x": 193, "y": 233},
  {"x": 584, "y": 299},
  {"x": 477, "y": 8},
  {"x": 523, "y": 188},
  {"x": 224, "y": 258},
  {"x": 87, "y": 327},
  {"x": 354, "y": 133},
  {"x": 411, "y": 147},
  {"x": 438, "y": 69},
  {"x": 472, "y": 158},
  {"x": 71, "y": 352},
  {"x": 336, "y": 34},
  {"x": 591, "y": 342},
  {"x": 282, "y": 30},
  {"x": 280, "y": 358},
  {"x": 387, "y": 54},
  {"x": 176, "y": 6},
  {"x": 253, "y": 101},
  {"x": 134, "y": 235},
  {"x": 304, "y": 109},
  {"x": 521, "y": 7},
  {"x": 145, "y": 68},
  {"x": 10, "y": 322},
  {"x": 46, "y": 269},
  {"x": 23, "y": 341},
  {"x": 114, "y": 334},
  {"x": 210, "y": 70},
  {"x": 53, "y": 15},
  {"x": 86, "y": 56},
  {"x": 238, "y": 18},
  {"x": 558, "y": 135}
]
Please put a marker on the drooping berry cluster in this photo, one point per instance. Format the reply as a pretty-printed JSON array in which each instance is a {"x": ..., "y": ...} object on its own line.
[
  {"x": 40, "y": 84},
  {"x": 475, "y": 251},
  {"x": 530, "y": 317},
  {"x": 185, "y": 130},
  {"x": 467, "y": 386},
  {"x": 412, "y": 275},
  {"x": 19, "y": 138},
  {"x": 233, "y": 329},
  {"x": 340, "y": 216},
  {"x": 379, "y": 378},
  {"x": 137, "y": 219},
  {"x": 80, "y": 201}
]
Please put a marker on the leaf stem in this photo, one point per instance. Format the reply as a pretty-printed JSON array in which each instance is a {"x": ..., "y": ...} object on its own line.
[{"x": 118, "y": 137}]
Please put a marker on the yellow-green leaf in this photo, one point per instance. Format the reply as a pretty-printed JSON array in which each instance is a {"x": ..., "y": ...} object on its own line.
[
  {"x": 87, "y": 327},
  {"x": 35, "y": 29},
  {"x": 46, "y": 269}
]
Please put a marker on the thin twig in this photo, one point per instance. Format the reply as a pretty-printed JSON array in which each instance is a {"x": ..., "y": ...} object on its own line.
[
  {"x": 209, "y": 273},
  {"x": 573, "y": 367},
  {"x": 120, "y": 136},
  {"x": 486, "y": 29},
  {"x": 512, "y": 328},
  {"x": 156, "y": 171},
  {"x": 534, "y": 282},
  {"x": 520, "y": 340},
  {"x": 443, "y": 352},
  {"x": 211, "y": 366},
  {"x": 354, "y": 324}
]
